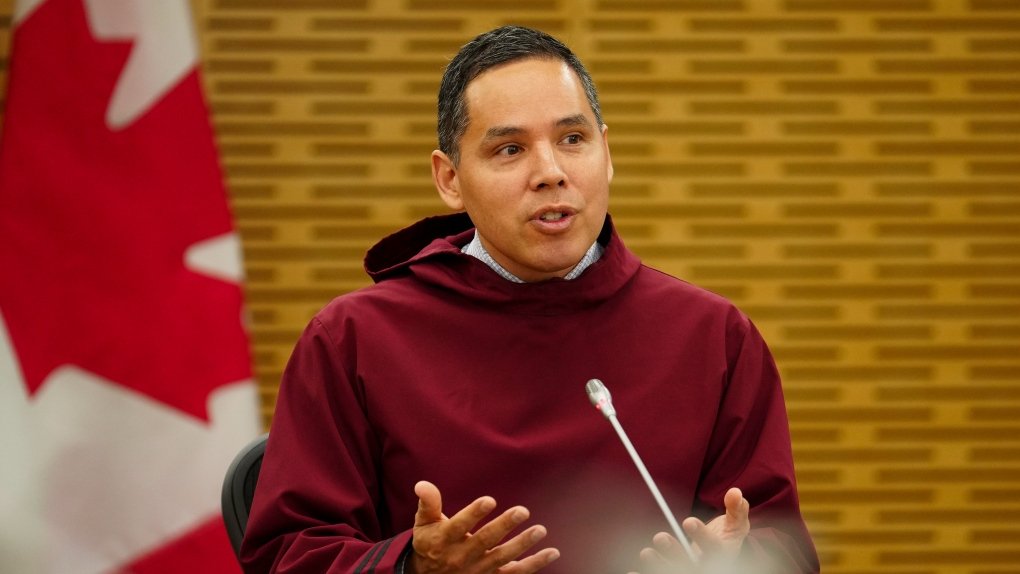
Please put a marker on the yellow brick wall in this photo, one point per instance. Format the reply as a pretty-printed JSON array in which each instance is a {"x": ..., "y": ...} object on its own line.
[{"x": 848, "y": 172}]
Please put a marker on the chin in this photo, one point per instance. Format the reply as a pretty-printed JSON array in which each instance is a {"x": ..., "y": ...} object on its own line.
[{"x": 561, "y": 267}]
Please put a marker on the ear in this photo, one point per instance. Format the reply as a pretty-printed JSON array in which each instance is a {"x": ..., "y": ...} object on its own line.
[
  {"x": 444, "y": 175},
  {"x": 609, "y": 158}
]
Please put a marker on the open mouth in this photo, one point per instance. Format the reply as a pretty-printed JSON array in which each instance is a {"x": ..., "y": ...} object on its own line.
[{"x": 551, "y": 216}]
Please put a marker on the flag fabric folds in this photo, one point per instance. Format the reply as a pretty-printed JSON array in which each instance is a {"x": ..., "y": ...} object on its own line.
[{"x": 125, "y": 373}]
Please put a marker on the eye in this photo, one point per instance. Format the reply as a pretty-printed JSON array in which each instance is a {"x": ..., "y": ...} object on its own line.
[
  {"x": 572, "y": 139},
  {"x": 511, "y": 149}
]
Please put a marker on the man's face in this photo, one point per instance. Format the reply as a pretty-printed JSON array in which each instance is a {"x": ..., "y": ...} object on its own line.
[{"x": 534, "y": 167}]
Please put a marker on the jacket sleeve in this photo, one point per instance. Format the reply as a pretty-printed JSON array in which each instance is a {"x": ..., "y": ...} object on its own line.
[
  {"x": 750, "y": 449},
  {"x": 317, "y": 498}
]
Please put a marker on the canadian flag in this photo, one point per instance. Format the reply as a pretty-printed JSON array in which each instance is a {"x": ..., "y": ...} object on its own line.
[{"x": 125, "y": 375}]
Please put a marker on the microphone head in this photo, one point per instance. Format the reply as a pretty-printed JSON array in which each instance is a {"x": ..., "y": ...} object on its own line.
[{"x": 599, "y": 396}]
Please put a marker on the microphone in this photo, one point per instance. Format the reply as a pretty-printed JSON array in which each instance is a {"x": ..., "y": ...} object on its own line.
[{"x": 599, "y": 396}]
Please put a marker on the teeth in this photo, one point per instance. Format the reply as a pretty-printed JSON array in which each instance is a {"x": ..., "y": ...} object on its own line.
[{"x": 552, "y": 216}]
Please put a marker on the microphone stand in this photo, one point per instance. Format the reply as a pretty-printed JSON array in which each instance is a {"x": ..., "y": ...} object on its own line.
[{"x": 600, "y": 397}]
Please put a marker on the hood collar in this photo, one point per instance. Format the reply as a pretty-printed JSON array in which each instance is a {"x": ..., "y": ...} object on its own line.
[{"x": 430, "y": 251}]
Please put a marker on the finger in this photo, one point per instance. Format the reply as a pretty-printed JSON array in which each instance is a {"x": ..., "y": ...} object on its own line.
[
  {"x": 532, "y": 563},
  {"x": 489, "y": 535},
  {"x": 505, "y": 553},
  {"x": 430, "y": 503},
  {"x": 458, "y": 526},
  {"x": 670, "y": 547},
  {"x": 699, "y": 535},
  {"x": 652, "y": 561}
]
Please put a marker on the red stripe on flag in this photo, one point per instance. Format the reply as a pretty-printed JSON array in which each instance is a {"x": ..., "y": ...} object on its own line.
[{"x": 204, "y": 549}]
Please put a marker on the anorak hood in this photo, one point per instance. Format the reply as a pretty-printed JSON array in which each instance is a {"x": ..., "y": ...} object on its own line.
[{"x": 430, "y": 251}]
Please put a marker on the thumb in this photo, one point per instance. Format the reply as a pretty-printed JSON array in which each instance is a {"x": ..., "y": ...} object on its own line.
[
  {"x": 430, "y": 503},
  {"x": 737, "y": 510}
]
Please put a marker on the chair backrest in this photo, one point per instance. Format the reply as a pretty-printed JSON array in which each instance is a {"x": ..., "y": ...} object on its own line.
[{"x": 239, "y": 489}]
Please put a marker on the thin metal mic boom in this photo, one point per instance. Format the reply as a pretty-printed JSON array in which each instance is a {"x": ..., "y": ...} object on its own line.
[{"x": 599, "y": 396}]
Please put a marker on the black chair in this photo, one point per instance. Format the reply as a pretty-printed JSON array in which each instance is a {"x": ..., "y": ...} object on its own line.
[{"x": 239, "y": 489}]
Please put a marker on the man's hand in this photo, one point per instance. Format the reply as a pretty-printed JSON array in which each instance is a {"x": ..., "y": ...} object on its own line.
[
  {"x": 447, "y": 545},
  {"x": 716, "y": 544}
]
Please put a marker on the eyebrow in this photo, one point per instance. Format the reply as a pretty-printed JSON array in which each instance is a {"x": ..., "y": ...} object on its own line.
[
  {"x": 503, "y": 131},
  {"x": 575, "y": 120}
]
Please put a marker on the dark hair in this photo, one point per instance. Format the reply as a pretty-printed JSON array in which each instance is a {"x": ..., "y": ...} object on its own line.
[{"x": 488, "y": 50}]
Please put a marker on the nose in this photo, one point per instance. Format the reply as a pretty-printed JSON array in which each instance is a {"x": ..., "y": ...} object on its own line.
[{"x": 546, "y": 170}]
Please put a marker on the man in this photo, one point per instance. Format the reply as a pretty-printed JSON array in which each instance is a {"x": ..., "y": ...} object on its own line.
[{"x": 455, "y": 383}]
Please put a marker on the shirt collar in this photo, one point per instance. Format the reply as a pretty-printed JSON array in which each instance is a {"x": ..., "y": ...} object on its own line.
[{"x": 477, "y": 250}]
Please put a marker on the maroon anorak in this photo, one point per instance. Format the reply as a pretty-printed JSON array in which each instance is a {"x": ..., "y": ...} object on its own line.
[{"x": 444, "y": 371}]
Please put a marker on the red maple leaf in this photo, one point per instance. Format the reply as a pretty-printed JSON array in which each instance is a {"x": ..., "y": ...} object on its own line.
[{"x": 94, "y": 223}]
